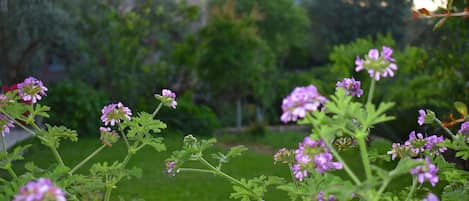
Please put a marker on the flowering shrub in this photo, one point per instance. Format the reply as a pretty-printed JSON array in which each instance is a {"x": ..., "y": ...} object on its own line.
[
  {"x": 20, "y": 107},
  {"x": 340, "y": 117},
  {"x": 344, "y": 117}
]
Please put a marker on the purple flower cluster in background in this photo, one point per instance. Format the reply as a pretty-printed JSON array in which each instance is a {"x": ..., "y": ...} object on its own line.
[
  {"x": 300, "y": 101},
  {"x": 421, "y": 118},
  {"x": 464, "y": 130},
  {"x": 5, "y": 124},
  {"x": 427, "y": 172},
  {"x": 320, "y": 197},
  {"x": 115, "y": 113},
  {"x": 313, "y": 154},
  {"x": 417, "y": 144},
  {"x": 40, "y": 190},
  {"x": 167, "y": 98},
  {"x": 170, "y": 168},
  {"x": 31, "y": 89},
  {"x": 431, "y": 197},
  {"x": 351, "y": 86},
  {"x": 377, "y": 65}
]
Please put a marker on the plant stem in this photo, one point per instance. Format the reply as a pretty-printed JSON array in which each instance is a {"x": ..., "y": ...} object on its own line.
[
  {"x": 107, "y": 196},
  {"x": 87, "y": 159},
  {"x": 228, "y": 177},
  {"x": 57, "y": 155},
  {"x": 157, "y": 110},
  {"x": 412, "y": 189},
  {"x": 382, "y": 188},
  {"x": 11, "y": 172},
  {"x": 371, "y": 91},
  {"x": 127, "y": 159},
  {"x": 364, "y": 155},
  {"x": 196, "y": 170},
  {"x": 18, "y": 123},
  {"x": 444, "y": 128},
  {"x": 336, "y": 155},
  {"x": 124, "y": 137}
]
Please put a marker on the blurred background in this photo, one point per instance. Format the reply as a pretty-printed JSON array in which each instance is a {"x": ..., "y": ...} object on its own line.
[{"x": 230, "y": 61}]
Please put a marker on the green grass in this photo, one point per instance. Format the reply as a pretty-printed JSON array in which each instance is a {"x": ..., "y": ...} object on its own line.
[{"x": 157, "y": 185}]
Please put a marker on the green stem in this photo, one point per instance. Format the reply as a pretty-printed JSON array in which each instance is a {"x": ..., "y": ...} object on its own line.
[
  {"x": 228, "y": 177},
  {"x": 11, "y": 172},
  {"x": 364, "y": 156},
  {"x": 412, "y": 189},
  {"x": 18, "y": 123},
  {"x": 336, "y": 155},
  {"x": 371, "y": 91},
  {"x": 127, "y": 159},
  {"x": 57, "y": 155},
  {"x": 382, "y": 188},
  {"x": 157, "y": 110},
  {"x": 124, "y": 137},
  {"x": 87, "y": 159},
  {"x": 107, "y": 196},
  {"x": 444, "y": 128},
  {"x": 196, "y": 170}
]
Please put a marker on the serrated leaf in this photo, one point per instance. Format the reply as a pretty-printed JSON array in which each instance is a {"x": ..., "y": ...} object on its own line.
[{"x": 54, "y": 134}]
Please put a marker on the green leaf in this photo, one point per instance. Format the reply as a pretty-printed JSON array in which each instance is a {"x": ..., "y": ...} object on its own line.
[
  {"x": 54, "y": 134},
  {"x": 461, "y": 108}
]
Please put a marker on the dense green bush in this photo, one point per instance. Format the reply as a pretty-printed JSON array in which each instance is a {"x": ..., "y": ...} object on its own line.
[
  {"x": 191, "y": 118},
  {"x": 76, "y": 105}
]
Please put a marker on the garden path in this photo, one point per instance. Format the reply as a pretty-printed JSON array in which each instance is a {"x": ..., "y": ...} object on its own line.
[{"x": 15, "y": 136}]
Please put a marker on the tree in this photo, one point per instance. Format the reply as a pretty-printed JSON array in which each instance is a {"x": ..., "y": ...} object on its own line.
[
  {"x": 233, "y": 59},
  {"x": 283, "y": 24},
  {"x": 30, "y": 31},
  {"x": 338, "y": 22}
]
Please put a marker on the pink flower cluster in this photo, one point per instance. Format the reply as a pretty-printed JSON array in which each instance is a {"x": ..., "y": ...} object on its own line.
[
  {"x": 313, "y": 154},
  {"x": 115, "y": 113},
  {"x": 170, "y": 168},
  {"x": 351, "y": 86},
  {"x": 40, "y": 190},
  {"x": 377, "y": 65},
  {"x": 300, "y": 101},
  {"x": 31, "y": 89},
  {"x": 167, "y": 98},
  {"x": 427, "y": 172},
  {"x": 5, "y": 124},
  {"x": 417, "y": 144}
]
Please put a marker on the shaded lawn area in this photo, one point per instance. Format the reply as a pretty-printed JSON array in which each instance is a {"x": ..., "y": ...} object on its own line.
[{"x": 155, "y": 184}]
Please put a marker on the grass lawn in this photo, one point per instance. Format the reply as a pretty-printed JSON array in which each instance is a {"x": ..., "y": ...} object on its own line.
[{"x": 157, "y": 185}]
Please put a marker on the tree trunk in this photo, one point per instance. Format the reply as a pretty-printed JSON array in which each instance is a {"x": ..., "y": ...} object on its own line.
[
  {"x": 239, "y": 114},
  {"x": 259, "y": 114}
]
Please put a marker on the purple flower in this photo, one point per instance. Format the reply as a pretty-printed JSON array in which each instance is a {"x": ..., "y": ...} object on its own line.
[
  {"x": 5, "y": 124},
  {"x": 431, "y": 197},
  {"x": 432, "y": 144},
  {"x": 300, "y": 101},
  {"x": 313, "y": 154},
  {"x": 324, "y": 162},
  {"x": 320, "y": 197},
  {"x": 464, "y": 128},
  {"x": 170, "y": 168},
  {"x": 376, "y": 65},
  {"x": 115, "y": 113},
  {"x": 426, "y": 172},
  {"x": 167, "y": 98},
  {"x": 421, "y": 118},
  {"x": 40, "y": 190},
  {"x": 31, "y": 89},
  {"x": 351, "y": 86},
  {"x": 418, "y": 144},
  {"x": 3, "y": 100},
  {"x": 108, "y": 137},
  {"x": 299, "y": 172}
]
